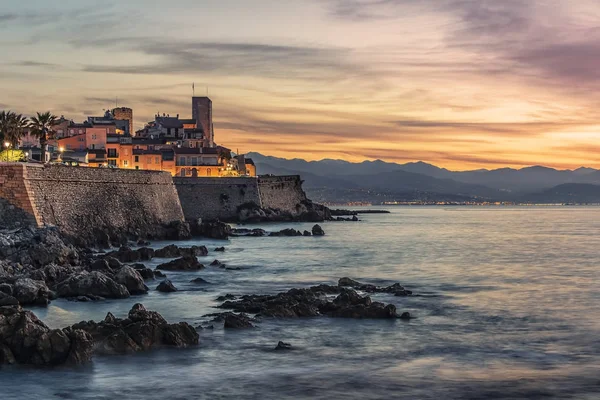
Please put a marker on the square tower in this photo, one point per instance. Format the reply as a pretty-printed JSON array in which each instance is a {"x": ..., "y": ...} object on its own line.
[{"x": 202, "y": 114}]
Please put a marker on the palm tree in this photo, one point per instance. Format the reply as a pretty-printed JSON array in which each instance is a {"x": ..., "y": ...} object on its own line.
[
  {"x": 41, "y": 127},
  {"x": 5, "y": 122},
  {"x": 18, "y": 124}
]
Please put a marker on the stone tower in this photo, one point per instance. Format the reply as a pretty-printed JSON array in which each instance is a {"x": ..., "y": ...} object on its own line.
[
  {"x": 124, "y": 114},
  {"x": 202, "y": 113}
]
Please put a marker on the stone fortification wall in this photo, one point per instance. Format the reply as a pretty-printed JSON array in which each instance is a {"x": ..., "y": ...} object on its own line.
[
  {"x": 281, "y": 192},
  {"x": 85, "y": 202},
  {"x": 215, "y": 198}
]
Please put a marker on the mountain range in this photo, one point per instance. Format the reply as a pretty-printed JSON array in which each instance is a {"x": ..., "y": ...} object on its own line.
[{"x": 379, "y": 181}]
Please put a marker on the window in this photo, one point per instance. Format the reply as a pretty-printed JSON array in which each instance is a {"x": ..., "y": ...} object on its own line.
[
  {"x": 93, "y": 146},
  {"x": 182, "y": 172},
  {"x": 137, "y": 159},
  {"x": 72, "y": 131},
  {"x": 112, "y": 153},
  {"x": 60, "y": 131},
  {"x": 81, "y": 139},
  {"x": 112, "y": 162},
  {"x": 94, "y": 137},
  {"x": 81, "y": 147},
  {"x": 194, "y": 161},
  {"x": 182, "y": 161},
  {"x": 81, "y": 131},
  {"x": 69, "y": 147},
  {"x": 157, "y": 160},
  {"x": 125, "y": 163},
  {"x": 208, "y": 172},
  {"x": 169, "y": 131},
  {"x": 137, "y": 167}
]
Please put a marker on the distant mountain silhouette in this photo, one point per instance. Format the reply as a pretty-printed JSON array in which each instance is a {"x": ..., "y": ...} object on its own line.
[
  {"x": 504, "y": 184},
  {"x": 579, "y": 193}
]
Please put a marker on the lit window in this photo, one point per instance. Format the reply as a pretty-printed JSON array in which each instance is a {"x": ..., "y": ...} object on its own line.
[
  {"x": 156, "y": 160},
  {"x": 137, "y": 159},
  {"x": 125, "y": 163}
]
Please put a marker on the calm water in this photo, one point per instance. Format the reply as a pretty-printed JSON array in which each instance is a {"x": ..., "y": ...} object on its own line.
[{"x": 508, "y": 308}]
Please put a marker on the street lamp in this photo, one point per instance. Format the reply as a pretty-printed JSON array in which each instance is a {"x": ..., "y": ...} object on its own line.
[
  {"x": 60, "y": 156},
  {"x": 7, "y": 145}
]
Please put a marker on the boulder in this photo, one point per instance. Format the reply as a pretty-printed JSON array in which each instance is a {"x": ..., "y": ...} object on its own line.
[
  {"x": 283, "y": 346},
  {"x": 216, "y": 263},
  {"x": 220, "y": 249},
  {"x": 113, "y": 263},
  {"x": 7, "y": 300},
  {"x": 177, "y": 230},
  {"x": 318, "y": 231},
  {"x": 132, "y": 280},
  {"x": 146, "y": 253},
  {"x": 186, "y": 263},
  {"x": 173, "y": 251},
  {"x": 126, "y": 255},
  {"x": 166, "y": 286},
  {"x": 236, "y": 321},
  {"x": 101, "y": 265},
  {"x": 212, "y": 230},
  {"x": 141, "y": 330},
  {"x": 92, "y": 283},
  {"x": 158, "y": 274},
  {"x": 199, "y": 281},
  {"x": 286, "y": 232},
  {"x": 30, "y": 292},
  {"x": 307, "y": 233},
  {"x": 146, "y": 273},
  {"x": 24, "y": 339},
  {"x": 170, "y": 251}
]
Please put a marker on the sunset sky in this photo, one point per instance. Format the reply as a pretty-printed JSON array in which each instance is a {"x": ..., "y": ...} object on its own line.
[{"x": 462, "y": 84}]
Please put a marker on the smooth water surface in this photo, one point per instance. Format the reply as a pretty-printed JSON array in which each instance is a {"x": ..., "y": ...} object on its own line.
[{"x": 507, "y": 305}]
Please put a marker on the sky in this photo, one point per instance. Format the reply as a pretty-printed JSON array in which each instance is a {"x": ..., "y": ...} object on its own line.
[{"x": 462, "y": 84}]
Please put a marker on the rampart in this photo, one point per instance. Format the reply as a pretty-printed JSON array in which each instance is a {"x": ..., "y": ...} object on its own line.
[
  {"x": 82, "y": 202},
  {"x": 281, "y": 192}
]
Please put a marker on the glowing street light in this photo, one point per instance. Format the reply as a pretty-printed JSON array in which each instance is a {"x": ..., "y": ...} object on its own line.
[{"x": 7, "y": 145}]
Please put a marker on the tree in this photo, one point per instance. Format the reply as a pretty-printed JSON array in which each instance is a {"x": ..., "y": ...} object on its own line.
[
  {"x": 42, "y": 127},
  {"x": 4, "y": 124},
  {"x": 18, "y": 124}
]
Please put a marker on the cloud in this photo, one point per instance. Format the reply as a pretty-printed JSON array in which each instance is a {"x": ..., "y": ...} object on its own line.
[
  {"x": 173, "y": 57},
  {"x": 7, "y": 17}
]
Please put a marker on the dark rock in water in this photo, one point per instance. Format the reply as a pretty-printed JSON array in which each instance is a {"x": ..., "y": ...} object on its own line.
[
  {"x": 159, "y": 274},
  {"x": 220, "y": 249},
  {"x": 146, "y": 273},
  {"x": 166, "y": 286},
  {"x": 312, "y": 302},
  {"x": 24, "y": 339},
  {"x": 355, "y": 218},
  {"x": 237, "y": 321},
  {"x": 226, "y": 297},
  {"x": 186, "y": 263},
  {"x": 307, "y": 233},
  {"x": 240, "y": 232},
  {"x": 200, "y": 281},
  {"x": 126, "y": 255},
  {"x": 406, "y": 316},
  {"x": 318, "y": 231},
  {"x": 396, "y": 288},
  {"x": 30, "y": 292},
  {"x": 283, "y": 346},
  {"x": 132, "y": 280},
  {"x": 92, "y": 283},
  {"x": 178, "y": 230},
  {"x": 146, "y": 253},
  {"x": 6, "y": 288},
  {"x": 286, "y": 232},
  {"x": 173, "y": 251},
  {"x": 212, "y": 230},
  {"x": 216, "y": 263},
  {"x": 142, "y": 330},
  {"x": 143, "y": 242}
]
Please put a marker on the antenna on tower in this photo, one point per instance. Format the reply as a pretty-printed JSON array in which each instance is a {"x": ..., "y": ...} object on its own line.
[
  {"x": 193, "y": 89},
  {"x": 117, "y": 102}
]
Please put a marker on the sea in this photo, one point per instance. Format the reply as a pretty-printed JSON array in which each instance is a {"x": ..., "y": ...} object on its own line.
[{"x": 506, "y": 305}]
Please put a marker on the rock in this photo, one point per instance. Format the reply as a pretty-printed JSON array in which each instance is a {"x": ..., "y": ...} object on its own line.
[
  {"x": 141, "y": 330},
  {"x": 236, "y": 321},
  {"x": 220, "y": 249},
  {"x": 312, "y": 302},
  {"x": 143, "y": 242},
  {"x": 113, "y": 263},
  {"x": 396, "y": 288},
  {"x": 146, "y": 273},
  {"x": 170, "y": 251},
  {"x": 286, "y": 232},
  {"x": 349, "y": 283},
  {"x": 6, "y": 288},
  {"x": 283, "y": 346},
  {"x": 158, "y": 274},
  {"x": 30, "y": 292},
  {"x": 228, "y": 296},
  {"x": 146, "y": 253},
  {"x": 101, "y": 265},
  {"x": 200, "y": 281},
  {"x": 24, "y": 339},
  {"x": 307, "y": 233},
  {"x": 173, "y": 251},
  {"x": 212, "y": 230},
  {"x": 166, "y": 286},
  {"x": 216, "y": 263},
  {"x": 318, "y": 231},
  {"x": 177, "y": 230},
  {"x": 406, "y": 316},
  {"x": 355, "y": 218},
  {"x": 240, "y": 232},
  {"x": 186, "y": 263},
  {"x": 126, "y": 255},
  {"x": 132, "y": 280},
  {"x": 93, "y": 283},
  {"x": 7, "y": 300}
]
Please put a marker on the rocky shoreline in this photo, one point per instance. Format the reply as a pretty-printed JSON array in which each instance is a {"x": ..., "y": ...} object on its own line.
[{"x": 38, "y": 266}]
